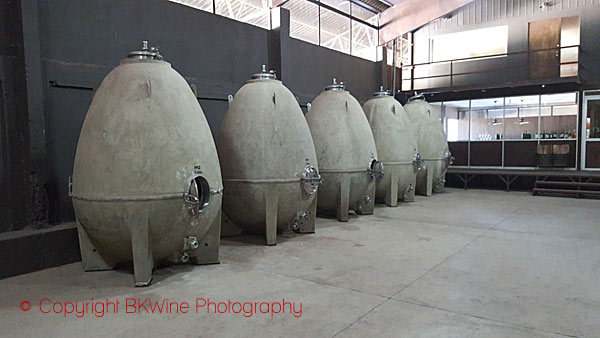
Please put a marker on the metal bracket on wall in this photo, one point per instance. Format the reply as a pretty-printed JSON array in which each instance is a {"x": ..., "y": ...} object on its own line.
[{"x": 67, "y": 85}]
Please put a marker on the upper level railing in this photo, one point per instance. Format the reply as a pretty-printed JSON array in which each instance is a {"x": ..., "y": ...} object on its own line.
[{"x": 541, "y": 64}]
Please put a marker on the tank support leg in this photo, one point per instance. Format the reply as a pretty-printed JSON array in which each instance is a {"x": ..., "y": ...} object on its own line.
[
  {"x": 91, "y": 259},
  {"x": 409, "y": 196},
  {"x": 429, "y": 182},
  {"x": 391, "y": 197},
  {"x": 208, "y": 249},
  {"x": 308, "y": 226},
  {"x": 343, "y": 204},
  {"x": 271, "y": 202},
  {"x": 141, "y": 247}
]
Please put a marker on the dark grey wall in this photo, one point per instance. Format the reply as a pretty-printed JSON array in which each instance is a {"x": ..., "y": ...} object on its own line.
[
  {"x": 70, "y": 45},
  {"x": 516, "y": 14},
  {"x": 14, "y": 133}
]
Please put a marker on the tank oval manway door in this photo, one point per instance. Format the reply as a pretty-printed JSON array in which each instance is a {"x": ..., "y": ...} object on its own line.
[
  {"x": 197, "y": 195},
  {"x": 310, "y": 179},
  {"x": 375, "y": 170}
]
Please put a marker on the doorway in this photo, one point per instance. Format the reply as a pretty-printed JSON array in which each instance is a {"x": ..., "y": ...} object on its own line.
[
  {"x": 544, "y": 52},
  {"x": 590, "y": 126}
]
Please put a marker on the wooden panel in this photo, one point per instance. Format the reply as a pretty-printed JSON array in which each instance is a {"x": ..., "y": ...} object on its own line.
[
  {"x": 460, "y": 152},
  {"x": 544, "y": 34},
  {"x": 519, "y": 153},
  {"x": 486, "y": 153},
  {"x": 592, "y": 154},
  {"x": 572, "y": 150}
]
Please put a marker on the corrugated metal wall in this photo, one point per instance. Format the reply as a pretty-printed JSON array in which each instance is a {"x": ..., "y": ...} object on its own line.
[{"x": 481, "y": 11}]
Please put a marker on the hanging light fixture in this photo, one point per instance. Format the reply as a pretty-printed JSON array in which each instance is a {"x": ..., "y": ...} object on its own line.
[
  {"x": 522, "y": 121},
  {"x": 495, "y": 122}
]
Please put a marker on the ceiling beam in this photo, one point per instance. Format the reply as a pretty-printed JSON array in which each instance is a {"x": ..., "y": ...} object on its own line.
[{"x": 409, "y": 15}]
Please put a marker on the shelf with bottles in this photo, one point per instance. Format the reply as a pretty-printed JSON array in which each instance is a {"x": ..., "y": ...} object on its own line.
[{"x": 557, "y": 135}]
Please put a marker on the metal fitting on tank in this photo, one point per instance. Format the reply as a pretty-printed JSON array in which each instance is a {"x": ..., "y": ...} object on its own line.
[
  {"x": 301, "y": 217},
  {"x": 190, "y": 243},
  {"x": 310, "y": 179},
  {"x": 184, "y": 257},
  {"x": 145, "y": 53},
  {"x": 449, "y": 159},
  {"x": 336, "y": 86},
  {"x": 417, "y": 161},
  {"x": 375, "y": 170}
]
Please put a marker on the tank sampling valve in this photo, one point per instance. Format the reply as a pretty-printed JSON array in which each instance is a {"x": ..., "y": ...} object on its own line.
[
  {"x": 417, "y": 161},
  {"x": 301, "y": 217},
  {"x": 190, "y": 243},
  {"x": 184, "y": 257}
]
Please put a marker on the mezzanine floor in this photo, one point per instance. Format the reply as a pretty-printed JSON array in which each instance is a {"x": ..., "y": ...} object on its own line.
[{"x": 473, "y": 263}]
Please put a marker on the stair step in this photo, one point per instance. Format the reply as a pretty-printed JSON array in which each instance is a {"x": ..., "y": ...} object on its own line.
[
  {"x": 537, "y": 191},
  {"x": 563, "y": 184}
]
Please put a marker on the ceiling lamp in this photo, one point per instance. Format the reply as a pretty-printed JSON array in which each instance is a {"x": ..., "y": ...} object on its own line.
[
  {"x": 495, "y": 122},
  {"x": 522, "y": 121}
]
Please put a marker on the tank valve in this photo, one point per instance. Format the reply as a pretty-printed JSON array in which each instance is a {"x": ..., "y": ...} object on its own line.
[
  {"x": 410, "y": 188},
  {"x": 301, "y": 217},
  {"x": 190, "y": 243},
  {"x": 184, "y": 257}
]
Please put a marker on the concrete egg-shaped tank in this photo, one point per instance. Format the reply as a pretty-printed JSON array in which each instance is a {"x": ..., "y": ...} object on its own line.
[
  {"x": 146, "y": 179},
  {"x": 346, "y": 153},
  {"x": 268, "y": 160},
  {"x": 432, "y": 145},
  {"x": 396, "y": 146}
]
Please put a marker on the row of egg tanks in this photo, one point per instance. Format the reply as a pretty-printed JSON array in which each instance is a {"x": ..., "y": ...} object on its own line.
[{"x": 148, "y": 186}]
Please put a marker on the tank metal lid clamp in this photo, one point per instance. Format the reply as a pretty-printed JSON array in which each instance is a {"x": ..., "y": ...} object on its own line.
[
  {"x": 336, "y": 86},
  {"x": 146, "y": 53},
  {"x": 264, "y": 74},
  {"x": 382, "y": 92},
  {"x": 417, "y": 97}
]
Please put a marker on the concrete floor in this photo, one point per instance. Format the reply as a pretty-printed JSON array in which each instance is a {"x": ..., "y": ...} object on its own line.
[{"x": 459, "y": 264}]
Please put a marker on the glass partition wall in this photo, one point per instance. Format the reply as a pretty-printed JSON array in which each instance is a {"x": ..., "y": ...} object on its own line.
[{"x": 506, "y": 131}]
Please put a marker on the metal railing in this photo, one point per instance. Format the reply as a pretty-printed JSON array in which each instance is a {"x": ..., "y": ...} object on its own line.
[{"x": 522, "y": 68}]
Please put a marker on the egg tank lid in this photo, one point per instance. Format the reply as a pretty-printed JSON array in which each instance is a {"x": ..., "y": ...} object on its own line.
[
  {"x": 382, "y": 92},
  {"x": 335, "y": 86},
  {"x": 417, "y": 98},
  {"x": 264, "y": 74},
  {"x": 146, "y": 53}
]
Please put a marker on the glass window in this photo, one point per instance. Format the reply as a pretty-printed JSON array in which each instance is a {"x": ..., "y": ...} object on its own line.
[
  {"x": 254, "y": 12},
  {"x": 341, "y": 5},
  {"x": 304, "y": 20},
  {"x": 456, "y": 120},
  {"x": 477, "y": 42},
  {"x": 569, "y": 36},
  {"x": 521, "y": 117},
  {"x": 593, "y": 119},
  {"x": 364, "y": 14},
  {"x": 364, "y": 41},
  {"x": 335, "y": 31},
  {"x": 487, "y": 119},
  {"x": 559, "y": 115},
  {"x": 204, "y": 5}
]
